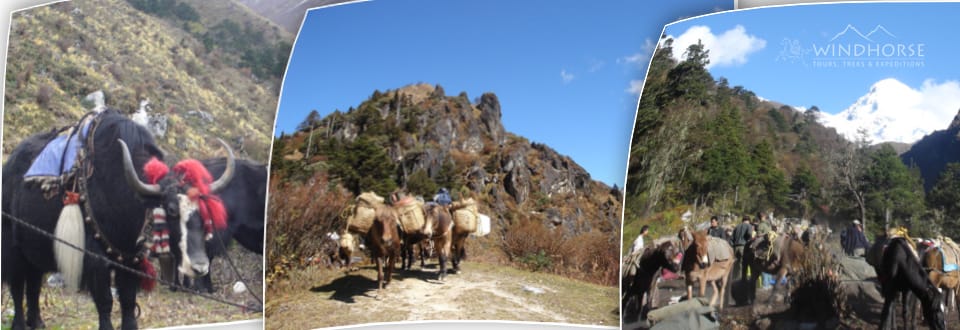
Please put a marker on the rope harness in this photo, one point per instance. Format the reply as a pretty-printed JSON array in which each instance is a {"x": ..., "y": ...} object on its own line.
[{"x": 122, "y": 266}]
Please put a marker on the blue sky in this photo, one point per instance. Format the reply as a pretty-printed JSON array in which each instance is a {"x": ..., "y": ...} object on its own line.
[
  {"x": 561, "y": 69},
  {"x": 802, "y": 82}
]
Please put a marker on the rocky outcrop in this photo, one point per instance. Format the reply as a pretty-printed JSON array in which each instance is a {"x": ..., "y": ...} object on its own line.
[
  {"x": 490, "y": 115},
  {"x": 518, "y": 178}
]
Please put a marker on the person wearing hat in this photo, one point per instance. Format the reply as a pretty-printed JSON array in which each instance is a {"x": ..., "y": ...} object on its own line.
[
  {"x": 443, "y": 197},
  {"x": 853, "y": 240}
]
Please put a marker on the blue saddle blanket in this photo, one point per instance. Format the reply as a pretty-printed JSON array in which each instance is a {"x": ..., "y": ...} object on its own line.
[
  {"x": 62, "y": 149},
  {"x": 947, "y": 267}
]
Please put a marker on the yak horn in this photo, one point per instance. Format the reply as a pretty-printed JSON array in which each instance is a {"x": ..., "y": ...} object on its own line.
[
  {"x": 131, "y": 174},
  {"x": 227, "y": 175}
]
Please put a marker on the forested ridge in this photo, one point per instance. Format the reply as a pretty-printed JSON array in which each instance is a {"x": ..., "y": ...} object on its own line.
[{"x": 699, "y": 143}]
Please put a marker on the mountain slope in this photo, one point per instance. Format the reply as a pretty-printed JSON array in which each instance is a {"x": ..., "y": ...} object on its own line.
[
  {"x": 192, "y": 91},
  {"x": 286, "y": 13},
  {"x": 932, "y": 153},
  {"x": 891, "y": 111}
]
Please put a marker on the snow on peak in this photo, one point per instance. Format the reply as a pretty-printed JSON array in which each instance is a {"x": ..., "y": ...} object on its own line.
[{"x": 891, "y": 111}]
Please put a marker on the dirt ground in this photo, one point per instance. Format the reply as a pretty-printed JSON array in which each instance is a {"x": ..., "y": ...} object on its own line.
[
  {"x": 773, "y": 314},
  {"x": 161, "y": 308},
  {"x": 317, "y": 297}
]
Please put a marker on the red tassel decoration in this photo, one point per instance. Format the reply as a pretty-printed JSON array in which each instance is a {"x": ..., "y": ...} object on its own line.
[
  {"x": 211, "y": 207},
  {"x": 154, "y": 170},
  {"x": 195, "y": 174},
  {"x": 148, "y": 283}
]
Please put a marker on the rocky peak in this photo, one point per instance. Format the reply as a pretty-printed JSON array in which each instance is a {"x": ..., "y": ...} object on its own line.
[
  {"x": 490, "y": 116},
  {"x": 955, "y": 124}
]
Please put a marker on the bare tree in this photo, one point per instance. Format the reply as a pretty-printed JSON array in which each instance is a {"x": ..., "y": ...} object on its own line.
[{"x": 850, "y": 162}]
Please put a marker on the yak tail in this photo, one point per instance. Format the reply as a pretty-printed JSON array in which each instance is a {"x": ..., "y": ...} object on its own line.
[{"x": 70, "y": 260}]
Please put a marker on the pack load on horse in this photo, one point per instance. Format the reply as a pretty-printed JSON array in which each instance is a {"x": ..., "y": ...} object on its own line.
[
  {"x": 362, "y": 212},
  {"x": 412, "y": 217},
  {"x": 466, "y": 217},
  {"x": 102, "y": 204},
  {"x": 483, "y": 226},
  {"x": 359, "y": 216},
  {"x": 708, "y": 259}
]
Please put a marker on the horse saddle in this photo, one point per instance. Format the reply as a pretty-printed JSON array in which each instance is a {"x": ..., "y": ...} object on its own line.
[{"x": 59, "y": 155}]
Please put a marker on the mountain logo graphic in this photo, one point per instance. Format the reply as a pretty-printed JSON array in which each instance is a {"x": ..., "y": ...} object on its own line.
[{"x": 879, "y": 29}]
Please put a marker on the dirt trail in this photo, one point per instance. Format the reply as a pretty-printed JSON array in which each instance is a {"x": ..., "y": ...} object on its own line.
[{"x": 478, "y": 292}]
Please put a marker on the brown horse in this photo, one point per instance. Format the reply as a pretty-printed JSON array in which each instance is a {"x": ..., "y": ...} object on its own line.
[
  {"x": 946, "y": 279},
  {"x": 708, "y": 259},
  {"x": 786, "y": 258},
  {"x": 442, "y": 234},
  {"x": 643, "y": 269},
  {"x": 383, "y": 240}
]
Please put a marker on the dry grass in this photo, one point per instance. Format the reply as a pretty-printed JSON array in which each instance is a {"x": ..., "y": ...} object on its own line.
[{"x": 161, "y": 308}]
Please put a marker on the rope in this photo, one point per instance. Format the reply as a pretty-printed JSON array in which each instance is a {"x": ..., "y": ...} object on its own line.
[
  {"x": 119, "y": 265},
  {"x": 235, "y": 271}
]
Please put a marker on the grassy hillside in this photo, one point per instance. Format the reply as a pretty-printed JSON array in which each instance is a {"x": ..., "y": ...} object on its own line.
[{"x": 61, "y": 53}]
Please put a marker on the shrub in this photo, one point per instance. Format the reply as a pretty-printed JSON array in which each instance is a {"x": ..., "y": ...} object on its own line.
[
  {"x": 592, "y": 257},
  {"x": 300, "y": 214},
  {"x": 818, "y": 294},
  {"x": 44, "y": 93}
]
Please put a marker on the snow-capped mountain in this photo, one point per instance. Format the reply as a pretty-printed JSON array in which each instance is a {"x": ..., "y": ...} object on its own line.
[{"x": 894, "y": 112}]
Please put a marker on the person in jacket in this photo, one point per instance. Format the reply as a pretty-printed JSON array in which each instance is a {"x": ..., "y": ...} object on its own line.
[
  {"x": 742, "y": 235},
  {"x": 443, "y": 197},
  {"x": 854, "y": 241},
  {"x": 715, "y": 230}
]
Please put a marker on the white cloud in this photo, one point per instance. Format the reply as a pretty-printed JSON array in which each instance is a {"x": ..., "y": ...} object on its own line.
[
  {"x": 567, "y": 77},
  {"x": 641, "y": 58},
  {"x": 729, "y": 48},
  {"x": 596, "y": 65},
  {"x": 636, "y": 86}
]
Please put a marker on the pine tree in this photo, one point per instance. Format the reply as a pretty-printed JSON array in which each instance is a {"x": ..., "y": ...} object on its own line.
[
  {"x": 890, "y": 185},
  {"x": 363, "y": 166},
  {"x": 945, "y": 197},
  {"x": 311, "y": 121},
  {"x": 769, "y": 180}
]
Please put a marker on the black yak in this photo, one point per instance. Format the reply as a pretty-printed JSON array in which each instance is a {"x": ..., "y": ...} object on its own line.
[
  {"x": 114, "y": 201},
  {"x": 245, "y": 199}
]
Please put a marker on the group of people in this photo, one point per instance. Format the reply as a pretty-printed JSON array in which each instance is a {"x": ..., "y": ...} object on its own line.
[{"x": 853, "y": 240}]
